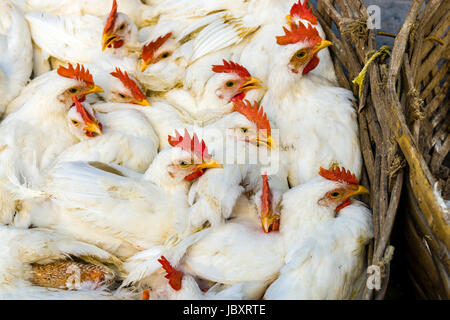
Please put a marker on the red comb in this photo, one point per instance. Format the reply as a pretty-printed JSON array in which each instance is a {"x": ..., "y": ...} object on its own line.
[
  {"x": 266, "y": 197},
  {"x": 299, "y": 33},
  {"x": 231, "y": 67},
  {"x": 145, "y": 295},
  {"x": 255, "y": 114},
  {"x": 111, "y": 18},
  {"x": 129, "y": 83},
  {"x": 191, "y": 145},
  {"x": 87, "y": 117},
  {"x": 337, "y": 174},
  {"x": 301, "y": 10},
  {"x": 148, "y": 51},
  {"x": 173, "y": 275},
  {"x": 79, "y": 73}
]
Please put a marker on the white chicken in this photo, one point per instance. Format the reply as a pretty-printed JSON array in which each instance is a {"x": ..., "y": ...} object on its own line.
[
  {"x": 126, "y": 138},
  {"x": 37, "y": 264},
  {"x": 261, "y": 50},
  {"x": 317, "y": 121},
  {"x": 37, "y": 132},
  {"x": 324, "y": 236},
  {"x": 16, "y": 53},
  {"x": 86, "y": 39},
  {"x": 300, "y": 13}
]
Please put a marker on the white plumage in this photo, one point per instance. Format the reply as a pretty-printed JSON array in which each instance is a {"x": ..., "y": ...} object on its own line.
[
  {"x": 20, "y": 248},
  {"x": 37, "y": 132},
  {"x": 16, "y": 53},
  {"x": 317, "y": 121},
  {"x": 107, "y": 43},
  {"x": 324, "y": 250},
  {"x": 127, "y": 140}
]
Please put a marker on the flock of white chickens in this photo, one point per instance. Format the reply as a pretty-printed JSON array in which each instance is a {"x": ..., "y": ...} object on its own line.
[{"x": 125, "y": 142}]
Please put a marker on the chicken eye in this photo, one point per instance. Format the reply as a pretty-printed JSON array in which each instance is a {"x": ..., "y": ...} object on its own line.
[
  {"x": 184, "y": 163},
  {"x": 165, "y": 55},
  {"x": 335, "y": 194},
  {"x": 122, "y": 26},
  {"x": 301, "y": 54},
  {"x": 244, "y": 130},
  {"x": 229, "y": 84},
  {"x": 75, "y": 123},
  {"x": 73, "y": 90},
  {"x": 122, "y": 95}
]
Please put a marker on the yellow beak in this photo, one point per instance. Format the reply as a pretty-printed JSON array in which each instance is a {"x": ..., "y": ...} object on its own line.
[
  {"x": 322, "y": 45},
  {"x": 143, "y": 102},
  {"x": 356, "y": 191},
  {"x": 266, "y": 141},
  {"x": 209, "y": 165},
  {"x": 289, "y": 18},
  {"x": 94, "y": 89},
  {"x": 268, "y": 221},
  {"x": 93, "y": 127},
  {"x": 145, "y": 65},
  {"x": 252, "y": 83},
  {"x": 107, "y": 39}
]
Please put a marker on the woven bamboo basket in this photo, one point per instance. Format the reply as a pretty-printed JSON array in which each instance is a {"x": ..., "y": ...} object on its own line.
[
  {"x": 355, "y": 53},
  {"x": 425, "y": 101}
]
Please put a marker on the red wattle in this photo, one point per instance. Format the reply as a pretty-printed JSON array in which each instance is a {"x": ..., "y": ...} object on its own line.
[
  {"x": 240, "y": 96},
  {"x": 342, "y": 206},
  {"x": 311, "y": 65},
  {"x": 194, "y": 175},
  {"x": 116, "y": 44}
]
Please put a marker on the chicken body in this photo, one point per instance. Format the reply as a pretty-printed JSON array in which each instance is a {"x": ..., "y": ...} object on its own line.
[
  {"x": 317, "y": 121},
  {"x": 23, "y": 248},
  {"x": 324, "y": 251},
  {"x": 260, "y": 50},
  {"x": 36, "y": 133},
  {"x": 317, "y": 126},
  {"x": 16, "y": 53},
  {"x": 128, "y": 140},
  {"x": 82, "y": 39}
]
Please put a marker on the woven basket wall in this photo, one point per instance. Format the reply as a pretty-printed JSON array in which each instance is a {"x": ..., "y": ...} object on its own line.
[{"x": 425, "y": 100}]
